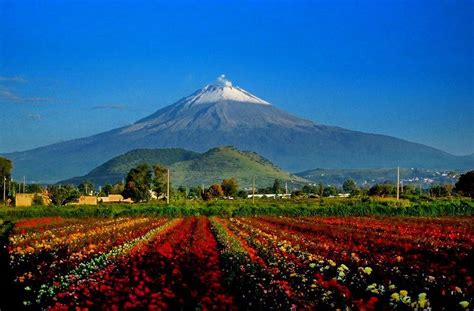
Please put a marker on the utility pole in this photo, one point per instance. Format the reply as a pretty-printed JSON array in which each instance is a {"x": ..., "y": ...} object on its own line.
[
  {"x": 286, "y": 187},
  {"x": 253, "y": 191},
  {"x": 24, "y": 184},
  {"x": 398, "y": 183},
  {"x": 168, "y": 187}
]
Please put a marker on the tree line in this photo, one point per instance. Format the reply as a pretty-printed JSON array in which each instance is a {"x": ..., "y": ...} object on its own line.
[{"x": 145, "y": 183}]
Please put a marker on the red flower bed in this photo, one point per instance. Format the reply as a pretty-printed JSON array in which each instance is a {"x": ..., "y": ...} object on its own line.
[
  {"x": 325, "y": 263},
  {"x": 37, "y": 222},
  {"x": 179, "y": 269}
]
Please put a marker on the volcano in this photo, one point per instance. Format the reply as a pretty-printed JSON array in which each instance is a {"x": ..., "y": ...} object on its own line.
[{"x": 224, "y": 114}]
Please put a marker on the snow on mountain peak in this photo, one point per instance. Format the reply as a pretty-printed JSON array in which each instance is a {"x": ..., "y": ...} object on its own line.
[
  {"x": 222, "y": 81},
  {"x": 223, "y": 90}
]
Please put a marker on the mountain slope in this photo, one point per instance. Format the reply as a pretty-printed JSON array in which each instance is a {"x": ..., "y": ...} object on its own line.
[
  {"x": 117, "y": 168},
  {"x": 371, "y": 176},
  {"x": 193, "y": 168},
  {"x": 221, "y": 114}
]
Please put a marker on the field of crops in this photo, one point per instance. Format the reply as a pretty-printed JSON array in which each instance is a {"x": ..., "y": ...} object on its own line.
[{"x": 264, "y": 262}]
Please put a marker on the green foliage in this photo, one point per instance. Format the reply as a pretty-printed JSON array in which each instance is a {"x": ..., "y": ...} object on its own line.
[
  {"x": 195, "y": 192},
  {"x": 118, "y": 167},
  {"x": 138, "y": 183},
  {"x": 213, "y": 192},
  {"x": 226, "y": 208},
  {"x": 5, "y": 175},
  {"x": 441, "y": 190},
  {"x": 376, "y": 175},
  {"x": 277, "y": 188},
  {"x": 160, "y": 180},
  {"x": 63, "y": 194},
  {"x": 465, "y": 185},
  {"x": 350, "y": 186},
  {"x": 34, "y": 188},
  {"x": 38, "y": 200},
  {"x": 117, "y": 188},
  {"x": 106, "y": 190},
  {"x": 330, "y": 191},
  {"x": 382, "y": 190},
  {"x": 86, "y": 187},
  {"x": 230, "y": 187}
]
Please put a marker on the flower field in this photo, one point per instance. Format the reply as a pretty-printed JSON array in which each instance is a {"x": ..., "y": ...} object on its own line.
[{"x": 326, "y": 263}]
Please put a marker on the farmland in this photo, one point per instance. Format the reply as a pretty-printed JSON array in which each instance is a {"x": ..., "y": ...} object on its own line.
[{"x": 262, "y": 262}]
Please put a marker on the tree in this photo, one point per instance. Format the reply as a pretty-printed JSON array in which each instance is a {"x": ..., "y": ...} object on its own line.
[
  {"x": 242, "y": 194},
  {"x": 86, "y": 187},
  {"x": 181, "y": 192},
  {"x": 329, "y": 191},
  {"x": 106, "y": 190},
  {"x": 350, "y": 186},
  {"x": 307, "y": 189},
  {"x": 409, "y": 190},
  {"x": 117, "y": 188},
  {"x": 277, "y": 187},
  {"x": 382, "y": 190},
  {"x": 160, "y": 181},
  {"x": 138, "y": 183},
  {"x": 214, "y": 191},
  {"x": 34, "y": 188},
  {"x": 63, "y": 194},
  {"x": 465, "y": 184},
  {"x": 320, "y": 189},
  {"x": 195, "y": 192},
  {"x": 230, "y": 187},
  {"x": 440, "y": 190},
  {"x": 5, "y": 175}
]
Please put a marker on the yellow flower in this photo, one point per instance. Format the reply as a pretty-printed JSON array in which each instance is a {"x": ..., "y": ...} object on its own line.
[
  {"x": 368, "y": 270},
  {"x": 422, "y": 300},
  {"x": 422, "y": 303},
  {"x": 403, "y": 293},
  {"x": 332, "y": 263},
  {"x": 464, "y": 304},
  {"x": 395, "y": 296}
]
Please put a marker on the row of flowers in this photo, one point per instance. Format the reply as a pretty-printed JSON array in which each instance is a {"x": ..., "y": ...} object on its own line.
[
  {"x": 341, "y": 255},
  {"x": 176, "y": 269},
  {"x": 325, "y": 263},
  {"x": 33, "y": 270}
]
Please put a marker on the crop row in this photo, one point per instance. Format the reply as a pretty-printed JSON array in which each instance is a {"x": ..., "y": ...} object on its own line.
[{"x": 264, "y": 262}]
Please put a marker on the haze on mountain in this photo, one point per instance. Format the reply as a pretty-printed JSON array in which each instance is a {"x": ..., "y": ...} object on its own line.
[
  {"x": 188, "y": 168},
  {"x": 224, "y": 114}
]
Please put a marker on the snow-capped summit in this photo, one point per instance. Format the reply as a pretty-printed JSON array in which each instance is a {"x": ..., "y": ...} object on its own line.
[
  {"x": 223, "y": 90},
  {"x": 223, "y": 114}
]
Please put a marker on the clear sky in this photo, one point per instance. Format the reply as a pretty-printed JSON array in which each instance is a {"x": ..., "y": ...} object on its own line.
[{"x": 74, "y": 68}]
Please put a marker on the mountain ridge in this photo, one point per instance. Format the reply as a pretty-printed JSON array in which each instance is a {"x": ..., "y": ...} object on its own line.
[{"x": 293, "y": 143}]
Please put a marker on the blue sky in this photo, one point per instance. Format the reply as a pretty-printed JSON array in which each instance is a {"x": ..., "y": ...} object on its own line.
[{"x": 74, "y": 68}]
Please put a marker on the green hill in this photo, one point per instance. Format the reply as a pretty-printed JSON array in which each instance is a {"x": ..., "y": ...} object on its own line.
[
  {"x": 192, "y": 169},
  {"x": 117, "y": 168}
]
